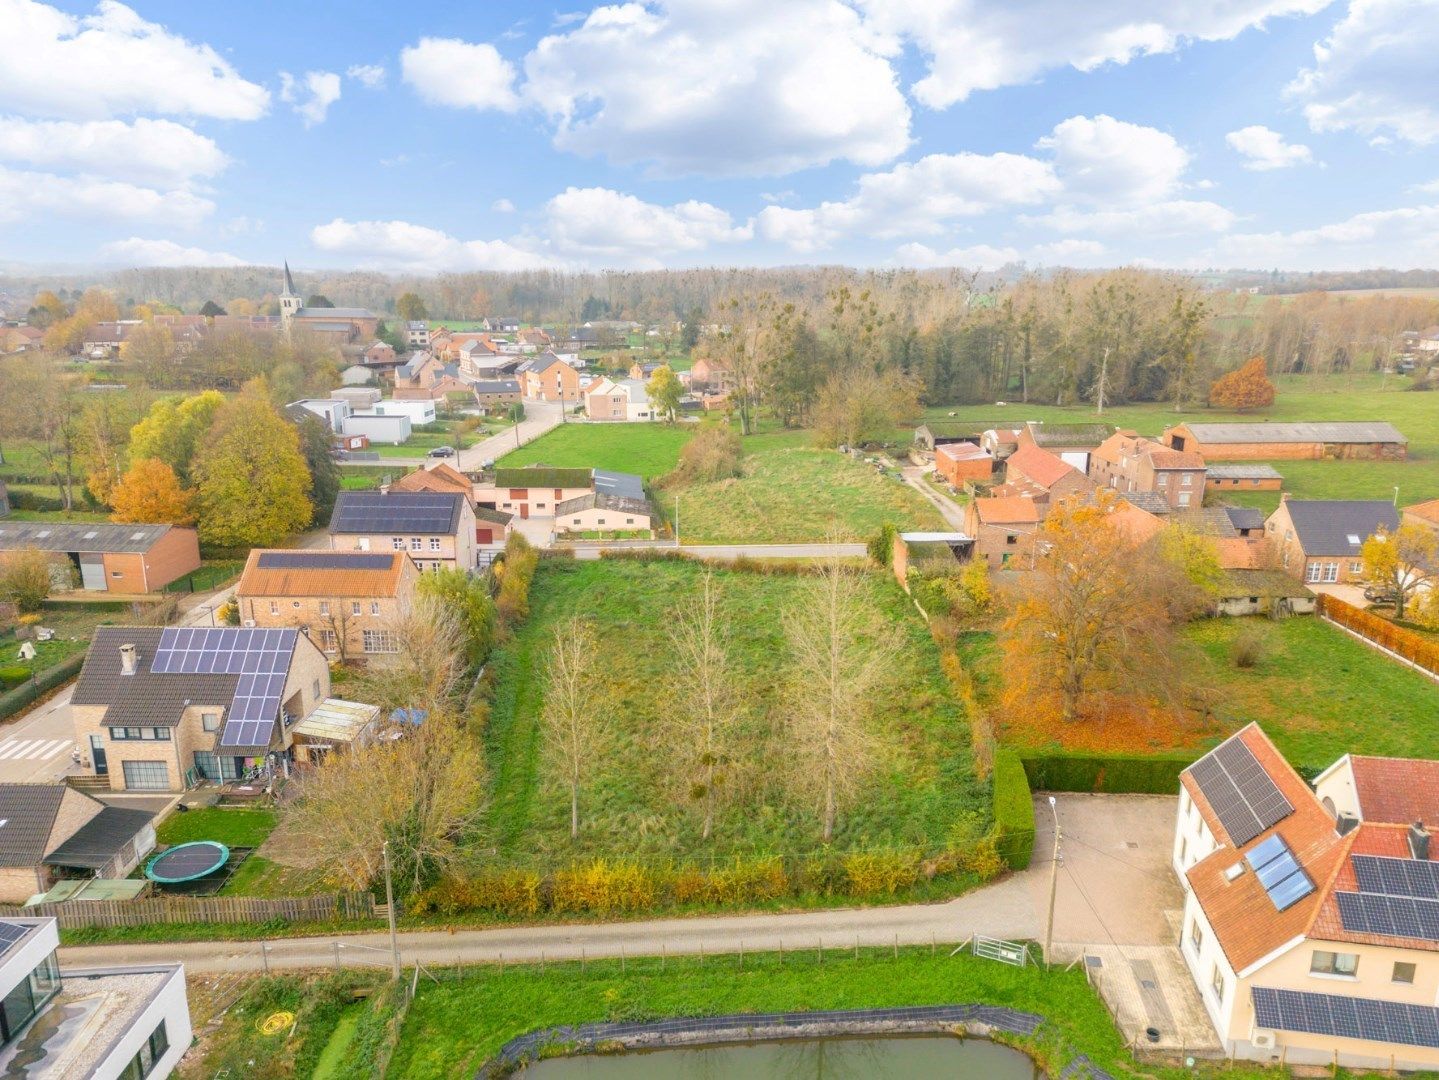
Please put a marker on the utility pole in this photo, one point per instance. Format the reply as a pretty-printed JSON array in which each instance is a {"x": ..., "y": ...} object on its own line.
[
  {"x": 1053, "y": 884},
  {"x": 390, "y": 906}
]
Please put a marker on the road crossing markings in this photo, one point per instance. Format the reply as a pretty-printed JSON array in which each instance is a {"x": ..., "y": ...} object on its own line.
[{"x": 31, "y": 749}]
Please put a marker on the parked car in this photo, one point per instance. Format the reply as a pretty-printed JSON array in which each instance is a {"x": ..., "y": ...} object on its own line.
[
  {"x": 442, "y": 451},
  {"x": 1384, "y": 595}
]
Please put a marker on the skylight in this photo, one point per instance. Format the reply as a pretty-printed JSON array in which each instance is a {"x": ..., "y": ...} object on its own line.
[
  {"x": 1354, "y": 540},
  {"x": 1284, "y": 880}
]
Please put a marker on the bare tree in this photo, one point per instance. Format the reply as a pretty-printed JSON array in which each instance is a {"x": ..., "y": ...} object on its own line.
[
  {"x": 840, "y": 658},
  {"x": 425, "y": 670},
  {"x": 573, "y": 716},
  {"x": 707, "y": 700}
]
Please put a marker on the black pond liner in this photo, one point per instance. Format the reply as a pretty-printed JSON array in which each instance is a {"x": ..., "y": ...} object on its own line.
[{"x": 759, "y": 1027}]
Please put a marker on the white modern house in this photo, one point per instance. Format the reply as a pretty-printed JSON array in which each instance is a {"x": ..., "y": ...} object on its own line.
[
  {"x": 128, "y": 1023},
  {"x": 421, "y": 411},
  {"x": 332, "y": 411},
  {"x": 378, "y": 428}
]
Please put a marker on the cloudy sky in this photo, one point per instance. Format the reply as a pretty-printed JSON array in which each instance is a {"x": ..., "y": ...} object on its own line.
[{"x": 506, "y": 135}]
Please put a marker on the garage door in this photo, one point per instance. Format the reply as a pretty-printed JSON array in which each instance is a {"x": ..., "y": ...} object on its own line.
[
  {"x": 146, "y": 776},
  {"x": 484, "y": 536},
  {"x": 92, "y": 572}
]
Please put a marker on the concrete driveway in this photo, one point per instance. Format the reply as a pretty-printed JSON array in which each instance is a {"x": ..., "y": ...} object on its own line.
[{"x": 540, "y": 417}]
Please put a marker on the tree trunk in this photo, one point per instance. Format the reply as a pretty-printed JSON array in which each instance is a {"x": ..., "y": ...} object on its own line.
[
  {"x": 829, "y": 811},
  {"x": 575, "y": 808},
  {"x": 709, "y": 800}
]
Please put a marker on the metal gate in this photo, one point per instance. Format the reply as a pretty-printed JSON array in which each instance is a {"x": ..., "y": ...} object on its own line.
[
  {"x": 1006, "y": 952},
  {"x": 92, "y": 572}
]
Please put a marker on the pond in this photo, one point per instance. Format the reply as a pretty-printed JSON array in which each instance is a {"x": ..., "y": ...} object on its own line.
[{"x": 894, "y": 1057}]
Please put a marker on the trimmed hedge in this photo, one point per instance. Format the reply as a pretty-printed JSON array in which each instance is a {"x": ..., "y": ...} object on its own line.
[
  {"x": 13, "y": 701},
  {"x": 1415, "y": 648},
  {"x": 1013, "y": 810},
  {"x": 1113, "y": 774}
]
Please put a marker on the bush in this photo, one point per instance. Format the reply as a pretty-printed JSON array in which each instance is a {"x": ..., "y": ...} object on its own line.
[
  {"x": 515, "y": 573},
  {"x": 1248, "y": 648},
  {"x": 881, "y": 546},
  {"x": 12, "y": 701},
  {"x": 880, "y": 873},
  {"x": 1413, "y": 647},
  {"x": 512, "y": 892},
  {"x": 1114, "y": 774},
  {"x": 1013, "y": 811},
  {"x": 31, "y": 500},
  {"x": 13, "y": 676},
  {"x": 26, "y": 578},
  {"x": 601, "y": 888},
  {"x": 748, "y": 883},
  {"x": 713, "y": 453}
]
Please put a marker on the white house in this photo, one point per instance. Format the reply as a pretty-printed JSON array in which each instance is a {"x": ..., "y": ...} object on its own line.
[
  {"x": 421, "y": 411},
  {"x": 618, "y": 399},
  {"x": 100, "y": 1023},
  {"x": 417, "y": 334},
  {"x": 332, "y": 411},
  {"x": 379, "y": 428}
]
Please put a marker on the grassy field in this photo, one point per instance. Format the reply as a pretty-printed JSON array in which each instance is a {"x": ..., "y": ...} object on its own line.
[
  {"x": 418, "y": 444},
  {"x": 924, "y": 780},
  {"x": 1317, "y": 692},
  {"x": 233, "y": 827},
  {"x": 650, "y": 450},
  {"x": 1339, "y": 397},
  {"x": 793, "y": 494}
]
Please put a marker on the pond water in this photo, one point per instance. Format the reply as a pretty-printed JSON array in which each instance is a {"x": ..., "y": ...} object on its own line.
[{"x": 894, "y": 1057}]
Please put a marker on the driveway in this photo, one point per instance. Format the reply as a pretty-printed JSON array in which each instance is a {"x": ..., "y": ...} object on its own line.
[
  {"x": 540, "y": 417},
  {"x": 952, "y": 512},
  {"x": 1101, "y": 871}
]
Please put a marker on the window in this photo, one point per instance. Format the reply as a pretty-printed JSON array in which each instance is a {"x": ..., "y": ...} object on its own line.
[
  {"x": 434, "y": 543},
  {"x": 1356, "y": 567},
  {"x": 1331, "y": 572},
  {"x": 143, "y": 1063},
  {"x": 629, "y": 521},
  {"x": 146, "y": 775},
  {"x": 1183, "y": 849},
  {"x": 600, "y": 521},
  {"x": 539, "y": 506},
  {"x": 1404, "y": 973},
  {"x": 1217, "y": 982},
  {"x": 328, "y": 641},
  {"x": 145, "y": 734},
  {"x": 1162, "y": 481},
  {"x": 1186, "y": 480},
  {"x": 324, "y": 607},
  {"x": 381, "y": 641},
  {"x": 1313, "y": 573},
  {"x": 209, "y": 721},
  {"x": 207, "y": 765},
  {"x": 274, "y": 608},
  {"x": 1184, "y": 498},
  {"x": 1343, "y": 964},
  {"x": 1196, "y": 935},
  {"x": 374, "y": 607},
  {"x": 160, "y": 734},
  {"x": 397, "y": 542},
  {"x": 315, "y": 689},
  {"x": 416, "y": 543},
  {"x": 354, "y": 607}
]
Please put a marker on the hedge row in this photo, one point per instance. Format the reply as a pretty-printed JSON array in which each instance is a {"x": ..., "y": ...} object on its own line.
[
  {"x": 1113, "y": 774},
  {"x": 1013, "y": 810},
  {"x": 606, "y": 887},
  {"x": 1406, "y": 643},
  {"x": 14, "y": 700}
]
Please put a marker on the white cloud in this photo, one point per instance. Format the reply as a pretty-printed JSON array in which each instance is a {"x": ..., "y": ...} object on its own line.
[
  {"x": 1374, "y": 73},
  {"x": 722, "y": 87},
  {"x": 502, "y": 206},
  {"x": 1266, "y": 149},
  {"x": 978, "y": 257},
  {"x": 113, "y": 63},
  {"x": 1178, "y": 217},
  {"x": 1069, "y": 249},
  {"x": 140, "y": 252},
  {"x": 312, "y": 96},
  {"x": 159, "y": 152},
  {"x": 981, "y": 45},
  {"x": 399, "y": 245},
  {"x": 601, "y": 222},
  {"x": 447, "y": 71},
  {"x": 1108, "y": 161},
  {"x": 370, "y": 76},
  {"x": 1401, "y": 238},
  {"x": 915, "y": 197},
  {"x": 24, "y": 194},
  {"x": 1429, "y": 187}
]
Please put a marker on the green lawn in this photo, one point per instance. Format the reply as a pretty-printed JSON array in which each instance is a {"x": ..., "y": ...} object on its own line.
[
  {"x": 1339, "y": 397},
  {"x": 1317, "y": 691},
  {"x": 212, "y": 574},
  {"x": 794, "y": 493},
  {"x": 650, "y": 450},
  {"x": 419, "y": 443},
  {"x": 923, "y": 783},
  {"x": 233, "y": 827},
  {"x": 454, "y": 1027}
]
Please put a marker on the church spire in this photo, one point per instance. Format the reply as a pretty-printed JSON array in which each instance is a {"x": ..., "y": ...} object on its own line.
[{"x": 289, "y": 281}]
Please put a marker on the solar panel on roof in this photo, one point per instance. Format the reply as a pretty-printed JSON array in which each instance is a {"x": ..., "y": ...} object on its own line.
[
  {"x": 1240, "y": 791},
  {"x": 1398, "y": 877},
  {"x": 1284, "y": 880},
  {"x": 10, "y": 933},
  {"x": 323, "y": 560},
  {"x": 1350, "y": 1017}
]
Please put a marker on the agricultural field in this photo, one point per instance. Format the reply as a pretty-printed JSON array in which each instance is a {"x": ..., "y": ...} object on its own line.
[
  {"x": 649, "y": 450},
  {"x": 923, "y": 782},
  {"x": 1337, "y": 397},
  {"x": 1365, "y": 703}
]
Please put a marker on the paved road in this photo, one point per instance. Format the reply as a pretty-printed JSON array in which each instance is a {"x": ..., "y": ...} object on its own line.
[
  {"x": 1114, "y": 887},
  {"x": 540, "y": 417}
]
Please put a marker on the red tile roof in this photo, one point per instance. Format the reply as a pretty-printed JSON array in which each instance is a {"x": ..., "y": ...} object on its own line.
[
  {"x": 1384, "y": 840},
  {"x": 1013, "y": 510},
  {"x": 1162, "y": 458},
  {"x": 1425, "y": 511},
  {"x": 441, "y": 477},
  {"x": 1396, "y": 790},
  {"x": 1040, "y": 466}
]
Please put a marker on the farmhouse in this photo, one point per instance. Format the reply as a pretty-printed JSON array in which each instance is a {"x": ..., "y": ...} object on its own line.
[
  {"x": 127, "y": 559},
  {"x": 436, "y": 528},
  {"x": 156, "y": 707},
  {"x": 1320, "y": 541},
  {"x": 1370, "y": 440},
  {"x": 1001, "y": 528},
  {"x": 1046, "y": 475},
  {"x": 961, "y": 461},
  {"x": 53, "y": 830},
  {"x": 1126, "y": 463},
  {"x": 492, "y": 392},
  {"x": 618, "y": 399},
  {"x": 346, "y": 602},
  {"x": 618, "y": 504},
  {"x": 1310, "y": 926},
  {"x": 533, "y": 491},
  {"x": 1072, "y": 442}
]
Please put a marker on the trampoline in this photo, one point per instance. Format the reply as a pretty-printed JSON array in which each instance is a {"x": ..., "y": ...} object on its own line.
[{"x": 187, "y": 862}]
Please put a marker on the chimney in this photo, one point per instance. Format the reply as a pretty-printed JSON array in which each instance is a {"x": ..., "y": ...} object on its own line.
[
  {"x": 127, "y": 659},
  {"x": 1419, "y": 841},
  {"x": 1345, "y": 824}
]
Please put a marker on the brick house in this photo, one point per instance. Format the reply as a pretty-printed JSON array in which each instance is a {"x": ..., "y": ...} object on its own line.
[
  {"x": 1051, "y": 477},
  {"x": 1320, "y": 541},
  {"x": 124, "y": 559},
  {"x": 961, "y": 461},
  {"x": 436, "y": 528},
  {"x": 549, "y": 378},
  {"x": 490, "y": 393},
  {"x": 1240, "y": 476},
  {"x": 1126, "y": 462},
  {"x": 1425, "y": 514},
  {"x": 491, "y": 526},
  {"x": 346, "y": 602},
  {"x": 707, "y": 373},
  {"x": 157, "y": 706},
  {"x": 1371, "y": 440},
  {"x": 1002, "y": 528},
  {"x": 50, "y": 830},
  {"x": 534, "y": 491}
]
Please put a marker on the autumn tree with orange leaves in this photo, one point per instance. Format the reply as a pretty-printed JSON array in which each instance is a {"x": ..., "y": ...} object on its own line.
[
  {"x": 1246, "y": 387},
  {"x": 150, "y": 492},
  {"x": 1093, "y": 617}
]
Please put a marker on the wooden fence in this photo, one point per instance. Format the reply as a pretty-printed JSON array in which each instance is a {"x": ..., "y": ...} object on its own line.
[{"x": 79, "y": 914}]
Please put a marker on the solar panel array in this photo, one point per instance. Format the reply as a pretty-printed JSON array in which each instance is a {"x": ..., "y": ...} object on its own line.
[
  {"x": 261, "y": 657},
  {"x": 1241, "y": 792},
  {"x": 409, "y": 512},
  {"x": 1349, "y": 1017},
  {"x": 1284, "y": 880},
  {"x": 1390, "y": 916},
  {"x": 323, "y": 560},
  {"x": 10, "y": 933},
  {"x": 1397, "y": 877}
]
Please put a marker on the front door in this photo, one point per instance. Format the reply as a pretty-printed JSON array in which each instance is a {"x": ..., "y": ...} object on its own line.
[
  {"x": 524, "y": 510},
  {"x": 97, "y": 755}
]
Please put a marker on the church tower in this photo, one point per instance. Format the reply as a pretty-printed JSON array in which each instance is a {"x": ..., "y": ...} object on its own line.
[{"x": 290, "y": 301}]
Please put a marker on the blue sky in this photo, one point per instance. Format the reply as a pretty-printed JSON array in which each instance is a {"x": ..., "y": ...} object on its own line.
[{"x": 441, "y": 136}]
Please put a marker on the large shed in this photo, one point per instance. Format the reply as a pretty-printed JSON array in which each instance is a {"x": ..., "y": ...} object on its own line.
[
  {"x": 127, "y": 559},
  {"x": 1261, "y": 440}
]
